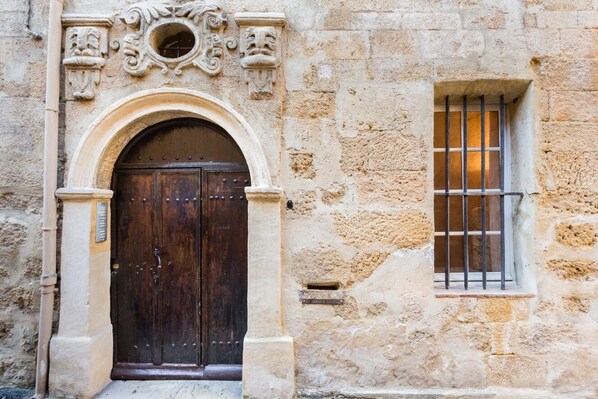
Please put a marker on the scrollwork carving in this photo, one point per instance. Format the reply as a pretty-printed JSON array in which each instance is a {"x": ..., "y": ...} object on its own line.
[{"x": 147, "y": 19}]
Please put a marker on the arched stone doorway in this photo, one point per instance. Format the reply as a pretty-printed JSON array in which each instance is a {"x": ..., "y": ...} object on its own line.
[
  {"x": 81, "y": 353},
  {"x": 179, "y": 254}
]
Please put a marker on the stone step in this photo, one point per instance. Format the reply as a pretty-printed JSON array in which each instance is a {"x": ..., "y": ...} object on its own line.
[{"x": 171, "y": 390}]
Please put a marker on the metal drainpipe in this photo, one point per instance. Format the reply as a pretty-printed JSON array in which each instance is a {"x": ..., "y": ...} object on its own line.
[{"x": 48, "y": 278}]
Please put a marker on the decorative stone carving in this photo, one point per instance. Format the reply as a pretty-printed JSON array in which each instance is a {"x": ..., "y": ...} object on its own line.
[
  {"x": 86, "y": 50},
  {"x": 260, "y": 52},
  {"x": 151, "y": 22}
]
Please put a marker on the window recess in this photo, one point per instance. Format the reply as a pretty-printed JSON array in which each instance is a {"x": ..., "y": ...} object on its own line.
[{"x": 473, "y": 204}]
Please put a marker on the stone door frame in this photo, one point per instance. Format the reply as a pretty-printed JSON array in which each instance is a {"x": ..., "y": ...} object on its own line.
[{"x": 81, "y": 352}]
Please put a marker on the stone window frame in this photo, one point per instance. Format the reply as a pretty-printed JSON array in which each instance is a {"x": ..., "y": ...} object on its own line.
[{"x": 522, "y": 105}]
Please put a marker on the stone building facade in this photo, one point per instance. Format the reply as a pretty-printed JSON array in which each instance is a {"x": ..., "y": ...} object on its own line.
[{"x": 332, "y": 103}]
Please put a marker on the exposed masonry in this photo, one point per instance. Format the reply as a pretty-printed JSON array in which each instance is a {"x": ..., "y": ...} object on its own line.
[{"x": 345, "y": 120}]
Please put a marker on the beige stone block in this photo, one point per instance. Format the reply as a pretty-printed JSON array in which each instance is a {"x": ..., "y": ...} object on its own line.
[
  {"x": 304, "y": 203},
  {"x": 573, "y": 170},
  {"x": 530, "y": 20},
  {"x": 576, "y": 106},
  {"x": 23, "y": 173},
  {"x": 560, "y": 5},
  {"x": 375, "y": 108},
  {"x": 557, "y": 19},
  {"x": 516, "y": 371},
  {"x": 394, "y": 43},
  {"x": 502, "y": 310},
  {"x": 574, "y": 369},
  {"x": 571, "y": 201},
  {"x": 268, "y": 368},
  {"x": 334, "y": 19},
  {"x": 543, "y": 43},
  {"x": 301, "y": 164},
  {"x": 451, "y": 43},
  {"x": 576, "y": 304},
  {"x": 579, "y": 42},
  {"x": 545, "y": 337},
  {"x": 11, "y": 24},
  {"x": 13, "y": 233},
  {"x": 405, "y": 187},
  {"x": 333, "y": 194},
  {"x": 80, "y": 365},
  {"x": 456, "y": 69},
  {"x": 408, "y": 229},
  {"x": 432, "y": 21},
  {"x": 573, "y": 269},
  {"x": 327, "y": 265},
  {"x": 333, "y": 44},
  {"x": 576, "y": 234},
  {"x": 569, "y": 74},
  {"x": 490, "y": 18},
  {"x": 573, "y": 136},
  {"x": 327, "y": 75},
  {"x": 388, "y": 151},
  {"x": 308, "y": 104},
  {"x": 354, "y": 155},
  {"x": 376, "y": 20},
  {"x": 588, "y": 19},
  {"x": 394, "y": 70}
]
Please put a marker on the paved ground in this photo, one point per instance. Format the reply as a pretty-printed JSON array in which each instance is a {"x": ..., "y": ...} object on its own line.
[
  {"x": 15, "y": 393},
  {"x": 171, "y": 390}
]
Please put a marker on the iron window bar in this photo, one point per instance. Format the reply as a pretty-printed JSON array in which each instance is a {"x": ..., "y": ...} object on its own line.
[{"x": 483, "y": 192}]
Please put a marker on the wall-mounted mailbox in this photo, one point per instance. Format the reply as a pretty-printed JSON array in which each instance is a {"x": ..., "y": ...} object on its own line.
[
  {"x": 101, "y": 222},
  {"x": 322, "y": 294}
]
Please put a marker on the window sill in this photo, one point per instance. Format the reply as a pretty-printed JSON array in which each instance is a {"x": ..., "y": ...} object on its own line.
[{"x": 475, "y": 291}]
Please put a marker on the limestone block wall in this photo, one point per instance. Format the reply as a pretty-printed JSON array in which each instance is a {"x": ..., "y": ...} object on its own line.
[
  {"x": 22, "y": 84},
  {"x": 357, "y": 162},
  {"x": 348, "y": 135}
]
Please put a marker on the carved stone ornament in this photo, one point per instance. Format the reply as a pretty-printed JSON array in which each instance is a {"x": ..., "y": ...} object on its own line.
[
  {"x": 260, "y": 52},
  {"x": 150, "y": 21},
  {"x": 86, "y": 50}
]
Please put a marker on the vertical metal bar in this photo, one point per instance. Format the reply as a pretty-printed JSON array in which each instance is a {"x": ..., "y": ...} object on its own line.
[
  {"x": 465, "y": 202},
  {"x": 483, "y": 186},
  {"x": 447, "y": 246},
  {"x": 502, "y": 191}
]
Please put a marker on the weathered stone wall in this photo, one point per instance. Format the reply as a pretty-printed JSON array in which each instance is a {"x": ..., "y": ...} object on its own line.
[
  {"x": 357, "y": 162},
  {"x": 22, "y": 84},
  {"x": 348, "y": 135}
]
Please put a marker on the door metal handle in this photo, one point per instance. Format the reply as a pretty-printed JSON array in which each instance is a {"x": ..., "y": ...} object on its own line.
[{"x": 157, "y": 255}]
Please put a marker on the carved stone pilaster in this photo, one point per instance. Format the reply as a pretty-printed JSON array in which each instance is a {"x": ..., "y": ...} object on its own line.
[
  {"x": 150, "y": 22},
  {"x": 86, "y": 50},
  {"x": 260, "y": 50}
]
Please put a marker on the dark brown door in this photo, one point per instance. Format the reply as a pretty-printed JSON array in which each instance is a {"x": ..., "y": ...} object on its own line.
[{"x": 179, "y": 274}]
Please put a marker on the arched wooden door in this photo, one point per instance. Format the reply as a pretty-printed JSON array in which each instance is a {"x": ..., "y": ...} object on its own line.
[{"x": 179, "y": 254}]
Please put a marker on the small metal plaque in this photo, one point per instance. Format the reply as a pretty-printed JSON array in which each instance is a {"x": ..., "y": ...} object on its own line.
[
  {"x": 102, "y": 222},
  {"x": 322, "y": 301},
  {"x": 321, "y": 297}
]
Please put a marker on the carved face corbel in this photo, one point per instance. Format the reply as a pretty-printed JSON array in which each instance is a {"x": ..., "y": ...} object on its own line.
[
  {"x": 86, "y": 50},
  {"x": 260, "y": 50}
]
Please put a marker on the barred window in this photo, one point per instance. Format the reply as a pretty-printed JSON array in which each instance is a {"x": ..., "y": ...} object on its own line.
[{"x": 473, "y": 221}]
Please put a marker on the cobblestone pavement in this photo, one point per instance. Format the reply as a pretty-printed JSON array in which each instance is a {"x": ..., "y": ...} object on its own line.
[{"x": 172, "y": 390}]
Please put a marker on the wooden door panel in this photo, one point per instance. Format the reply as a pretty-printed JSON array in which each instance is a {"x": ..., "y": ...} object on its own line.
[
  {"x": 134, "y": 283},
  {"x": 180, "y": 194},
  {"x": 224, "y": 276}
]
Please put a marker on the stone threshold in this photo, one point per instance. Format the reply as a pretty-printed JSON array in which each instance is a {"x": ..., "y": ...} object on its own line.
[{"x": 173, "y": 389}]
